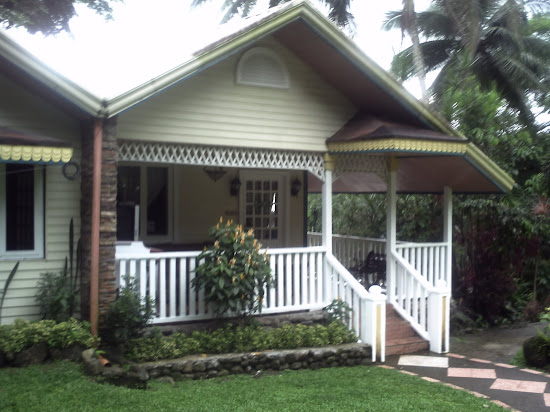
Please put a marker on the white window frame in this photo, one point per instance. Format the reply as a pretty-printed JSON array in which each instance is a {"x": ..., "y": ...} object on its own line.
[
  {"x": 169, "y": 237},
  {"x": 38, "y": 251}
]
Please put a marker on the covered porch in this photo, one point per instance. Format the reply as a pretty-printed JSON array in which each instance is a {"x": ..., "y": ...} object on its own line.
[{"x": 312, "y": 272}]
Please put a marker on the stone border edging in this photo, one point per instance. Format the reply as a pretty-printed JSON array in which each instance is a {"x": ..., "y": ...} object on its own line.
[{"x": 211, "y": 366}]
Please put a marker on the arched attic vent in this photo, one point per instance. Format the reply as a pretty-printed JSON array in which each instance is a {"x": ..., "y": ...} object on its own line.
[{"x": 262, "y": 67}]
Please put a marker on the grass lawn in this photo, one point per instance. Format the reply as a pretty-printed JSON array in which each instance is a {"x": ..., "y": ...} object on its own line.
[{"x": 62, "y": 387}]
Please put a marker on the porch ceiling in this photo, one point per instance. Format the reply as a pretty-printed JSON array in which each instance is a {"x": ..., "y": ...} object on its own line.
[{"x": 418, "y": 174}]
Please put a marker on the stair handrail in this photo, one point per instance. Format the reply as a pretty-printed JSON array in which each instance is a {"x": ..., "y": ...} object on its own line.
[
  {"x": 368, "y": 316},
  {"x": 438, "y": 308},
  {"x": 414, "y": 273}
]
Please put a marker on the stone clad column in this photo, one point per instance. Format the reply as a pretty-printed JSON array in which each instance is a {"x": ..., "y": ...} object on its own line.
[{"x": 107, "y": 240}]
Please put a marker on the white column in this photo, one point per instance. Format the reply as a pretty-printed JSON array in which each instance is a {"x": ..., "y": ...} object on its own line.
[
  {"x": 448, "y": 232},
  {"x": 391, "y": 225},
  {"x": 327, "y": 204}
]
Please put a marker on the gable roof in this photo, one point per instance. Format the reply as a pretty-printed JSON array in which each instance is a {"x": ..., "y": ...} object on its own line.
[{"x": 307, "y": 33}]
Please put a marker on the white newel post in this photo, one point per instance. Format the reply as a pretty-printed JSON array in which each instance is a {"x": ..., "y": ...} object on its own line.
[
  {"x": 448, "y": 232},
  {"x": 391, "y": 227},
  {"x": 327, "y": 223},
  {"x": 438, "y": 318}
]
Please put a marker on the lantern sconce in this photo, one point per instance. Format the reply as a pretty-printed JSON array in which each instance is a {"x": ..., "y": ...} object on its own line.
[
  {"x": 235, "y": 186},
  {"x": 295, "y": 187}
]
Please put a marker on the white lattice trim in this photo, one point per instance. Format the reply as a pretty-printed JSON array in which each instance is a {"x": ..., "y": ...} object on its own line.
[
  {"x": 221, "y": 156},
  {"x": 361, "y": 163}
]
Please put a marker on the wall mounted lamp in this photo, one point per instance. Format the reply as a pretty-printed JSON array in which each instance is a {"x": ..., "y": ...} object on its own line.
[
  {"x": 235, "y": 186},
  {"x": 295, "y": 187}
]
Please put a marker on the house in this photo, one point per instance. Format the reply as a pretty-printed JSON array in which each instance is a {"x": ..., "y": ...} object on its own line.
[{"x": 244, "y": 129}]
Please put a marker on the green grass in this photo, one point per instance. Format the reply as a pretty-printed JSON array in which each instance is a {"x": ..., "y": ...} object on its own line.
[{"x": 62, "y": 387}]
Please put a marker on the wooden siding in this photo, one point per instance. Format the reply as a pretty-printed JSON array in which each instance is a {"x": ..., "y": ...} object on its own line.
[
  {"x": 21, "y": 110},
  {"x": 210, "y": 108}
]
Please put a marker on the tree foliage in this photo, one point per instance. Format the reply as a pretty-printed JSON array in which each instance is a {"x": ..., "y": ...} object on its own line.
[
  {"x": 47, "y": 16},
  {"x": 338, "y": 9},
  {"x": 489, "y": 40}
]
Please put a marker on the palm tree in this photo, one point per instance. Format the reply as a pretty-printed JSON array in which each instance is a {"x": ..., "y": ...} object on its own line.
[{"x": 488, "y": 39}]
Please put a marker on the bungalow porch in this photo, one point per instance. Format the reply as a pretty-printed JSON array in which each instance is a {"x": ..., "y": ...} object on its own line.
[{"x": 310, "y": 275}]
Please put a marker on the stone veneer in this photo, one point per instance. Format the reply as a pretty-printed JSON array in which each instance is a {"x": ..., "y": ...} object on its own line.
[{"x": 107, "y": 239}]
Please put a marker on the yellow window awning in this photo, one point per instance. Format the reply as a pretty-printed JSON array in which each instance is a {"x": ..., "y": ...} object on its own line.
[{"x": 16, "y": 146}]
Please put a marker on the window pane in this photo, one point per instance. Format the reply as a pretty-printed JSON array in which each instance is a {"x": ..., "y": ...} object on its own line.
[
  {"x": 19, "y": 207},
  {"x": 157, "y": 201}
]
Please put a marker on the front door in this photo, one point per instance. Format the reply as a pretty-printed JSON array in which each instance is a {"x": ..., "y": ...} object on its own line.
[{"x": 262, "y": 206}]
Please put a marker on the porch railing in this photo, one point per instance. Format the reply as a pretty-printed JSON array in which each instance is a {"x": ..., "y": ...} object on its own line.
[
  {"x": 424, "y": 305},
  {"x": 167, "y": 277},
  {"x": 349, "y": 250},
  {"x": 304, "y": 279},
  {"x": 368, "y": 310},
  {"x": 429, "y": 259}
]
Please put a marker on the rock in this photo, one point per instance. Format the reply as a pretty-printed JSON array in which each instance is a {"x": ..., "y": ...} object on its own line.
[
  {"x": 535, "y": 352},
  {"x": 87, "y": 355},
  {"x": 34, "y": 355},
  {"x": 72, "y": 353},
  {"x": 166, "y": 379},
  {"x": 118, "y": 376}
]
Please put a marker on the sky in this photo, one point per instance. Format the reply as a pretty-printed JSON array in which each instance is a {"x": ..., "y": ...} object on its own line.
[{"x": 147, "y": 38}]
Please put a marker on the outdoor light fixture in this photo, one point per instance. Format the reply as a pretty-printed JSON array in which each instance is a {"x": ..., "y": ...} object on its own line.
[
  {"x": 235, "y": 186},
  {"x": 214, "y": 173},
  {"x": 295, "y": 187}
]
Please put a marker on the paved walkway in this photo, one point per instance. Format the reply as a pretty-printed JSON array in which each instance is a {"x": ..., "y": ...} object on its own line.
[{"x": 522, "y": 390}]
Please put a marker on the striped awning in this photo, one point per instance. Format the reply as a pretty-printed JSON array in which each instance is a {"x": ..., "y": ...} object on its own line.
[{"x": 20, "y": 147}]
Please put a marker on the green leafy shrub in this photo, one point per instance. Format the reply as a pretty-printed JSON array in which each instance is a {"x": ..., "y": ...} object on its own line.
[
  {"x": 233, "y": 274},
  {"x": 127, "y": 316},
  {"x": 237, "y": 339},
  {"x": 58, "y": 294},
  {"x": 338, "y": 310},
  {"x": 24, "y": 334}
]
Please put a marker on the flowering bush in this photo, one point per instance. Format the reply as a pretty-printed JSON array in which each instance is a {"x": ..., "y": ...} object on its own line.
[{"x": 233, "y": 272}]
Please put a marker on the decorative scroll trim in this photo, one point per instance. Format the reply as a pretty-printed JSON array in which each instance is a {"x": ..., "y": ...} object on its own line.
[
  {"x": 42, "y": 154},
  {"x": 400, "y": 145},
  {"x": 221, "y": 156},
  {"x": 361, "y": 163}
]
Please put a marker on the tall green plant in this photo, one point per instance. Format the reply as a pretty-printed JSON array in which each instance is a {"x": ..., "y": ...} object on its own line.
[
  {"x": 234, "y": 274},
  {"x": 58, "y": 293},
  {"x": 6, "y": 286}
]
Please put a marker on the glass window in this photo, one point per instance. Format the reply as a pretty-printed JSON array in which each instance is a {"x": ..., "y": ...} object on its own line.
[
  {"x": 142, "y": 187},
  {"x": 21, "y": 211}
]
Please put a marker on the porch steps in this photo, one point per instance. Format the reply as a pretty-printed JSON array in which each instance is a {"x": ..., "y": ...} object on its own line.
[{"x": 400, "y": 336}]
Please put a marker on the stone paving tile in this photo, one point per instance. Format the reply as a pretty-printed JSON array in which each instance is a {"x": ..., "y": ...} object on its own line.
[
  {"x": 480, "y": 360},
  {"x": 424, "y": 361},
  {"x": 513, "y": 385},
  {"x": 472, "y": 373},
  {"x": 505, "y": 365}
]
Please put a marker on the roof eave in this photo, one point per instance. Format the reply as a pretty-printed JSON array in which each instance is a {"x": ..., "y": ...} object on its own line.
[{"x": 65, "y": 88}]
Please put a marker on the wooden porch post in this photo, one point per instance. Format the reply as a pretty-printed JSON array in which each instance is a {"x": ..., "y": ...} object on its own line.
[
  {"x": 448, "y": 232},
  {"x": 391, "y": 225},
  {"x": 327, "y": 204}
]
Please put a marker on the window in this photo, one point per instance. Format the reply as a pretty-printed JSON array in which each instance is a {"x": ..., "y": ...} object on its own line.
[
  {"x": 261, "y": 67},
  {"x": 143, "y": 205},
  {"x": 21, "y": 211}
]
